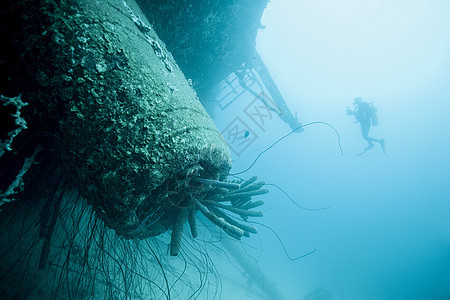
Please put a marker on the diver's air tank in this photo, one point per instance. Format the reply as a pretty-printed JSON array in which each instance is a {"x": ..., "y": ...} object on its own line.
[
  {"x": 373, "y": 114},
  {"x": 374, "y": 118}
]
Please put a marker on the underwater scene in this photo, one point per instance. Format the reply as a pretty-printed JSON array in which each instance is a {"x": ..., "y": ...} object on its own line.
[{"x": 245, "y": 149}]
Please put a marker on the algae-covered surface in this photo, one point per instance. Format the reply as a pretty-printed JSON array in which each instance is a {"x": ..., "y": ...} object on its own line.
[
  {"x": 126, "y": 120},
  {"x": 118, "y": 147},
  {"x": 210, "y": 38},
  {"x": 136, "y": 122}
]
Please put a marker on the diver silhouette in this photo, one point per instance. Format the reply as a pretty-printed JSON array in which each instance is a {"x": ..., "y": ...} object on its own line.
[{"x": 366, "y": 115}]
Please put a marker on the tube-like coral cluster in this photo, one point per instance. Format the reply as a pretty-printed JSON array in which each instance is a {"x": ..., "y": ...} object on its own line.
[{"x": 211, "y": 205}]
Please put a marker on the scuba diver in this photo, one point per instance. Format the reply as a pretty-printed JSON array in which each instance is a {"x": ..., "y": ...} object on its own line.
[{"x": 366, "y": 115}]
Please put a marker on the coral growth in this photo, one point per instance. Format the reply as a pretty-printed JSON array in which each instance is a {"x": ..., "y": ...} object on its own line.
[{"x": 210, "y": 204}]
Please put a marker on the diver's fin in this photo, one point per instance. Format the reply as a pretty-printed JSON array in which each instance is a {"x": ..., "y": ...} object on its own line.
[
  {"x": 383, "y": 143},
  {"x": 364, "y": 150}
]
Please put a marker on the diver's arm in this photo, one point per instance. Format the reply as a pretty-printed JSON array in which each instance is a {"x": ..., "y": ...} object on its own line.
[{"x": 349, "y": 111}]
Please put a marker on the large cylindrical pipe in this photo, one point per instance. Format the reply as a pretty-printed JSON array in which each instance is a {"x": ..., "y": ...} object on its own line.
[{"x": 130, "y": 129}]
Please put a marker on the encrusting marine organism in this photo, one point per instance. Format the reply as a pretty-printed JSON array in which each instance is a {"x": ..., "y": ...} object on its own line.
[{"x": 211, "y": 205}]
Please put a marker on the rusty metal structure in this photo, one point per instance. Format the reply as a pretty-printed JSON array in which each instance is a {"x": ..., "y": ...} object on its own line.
[{"x": 254, "y": 78}]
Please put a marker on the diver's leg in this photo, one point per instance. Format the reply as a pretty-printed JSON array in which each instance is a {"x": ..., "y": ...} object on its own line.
[
  {"x": 379, "y": 141},
  {"x": 365, "y": 127},
  {"x": 371, "y": 139},
  {"x": 365, "y": 134},
  {"x": 382, "y": 144}
]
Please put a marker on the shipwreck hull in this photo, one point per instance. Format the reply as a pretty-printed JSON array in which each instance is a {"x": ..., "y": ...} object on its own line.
[
  {"x": 105, "y": 144},
  {"x": 128, "y": 126}
]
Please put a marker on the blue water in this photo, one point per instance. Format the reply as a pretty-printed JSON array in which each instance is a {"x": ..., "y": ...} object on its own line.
[{"x": 386, "y": 234}]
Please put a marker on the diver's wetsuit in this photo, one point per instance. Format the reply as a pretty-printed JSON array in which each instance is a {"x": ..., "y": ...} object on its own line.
[{"x": 362, "y": 114}]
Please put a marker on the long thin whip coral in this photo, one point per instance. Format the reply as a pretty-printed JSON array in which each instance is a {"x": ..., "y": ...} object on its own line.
[{"x": 288, "y": 134}]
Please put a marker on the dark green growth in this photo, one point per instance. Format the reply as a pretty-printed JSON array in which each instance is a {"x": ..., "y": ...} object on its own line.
[{"x": 101, "y": 130}]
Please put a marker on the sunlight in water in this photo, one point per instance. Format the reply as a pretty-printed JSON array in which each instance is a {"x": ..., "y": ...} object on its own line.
[
  {"x": 355, "y": 45},
  {"x": 324, "y": 53},
  {"x": 344, "y": 10}
]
